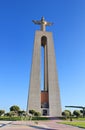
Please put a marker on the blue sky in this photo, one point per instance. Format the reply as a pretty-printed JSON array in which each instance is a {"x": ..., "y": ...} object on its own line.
[{"x": 16, "y": 46}]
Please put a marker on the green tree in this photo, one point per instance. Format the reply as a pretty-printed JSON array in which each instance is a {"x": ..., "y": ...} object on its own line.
[
  {"x": 37, "y": 114},
  {"x": 66, "y": 114},
  {"x": 7, "y": 114},
  {"x": 34, "y": 113},
  {"x": 15, "y": 108},
  {"x": 2, "y": 112},
  {"x": 22, "y": 113},
  {"x": 82, "y": 112},
  {"x": 11, "y": 114},
  {"x": 77, "y": 113}
]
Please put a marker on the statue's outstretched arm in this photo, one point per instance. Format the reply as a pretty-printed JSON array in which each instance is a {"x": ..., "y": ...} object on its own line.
[
  {"x": 36, "y": 22},
  {"x": 49, "y": 23}
]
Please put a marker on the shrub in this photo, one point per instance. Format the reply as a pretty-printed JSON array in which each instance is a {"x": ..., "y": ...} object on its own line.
[
  {"x": 34, "y": 113},
  {"x": 76, "y": 113},
  {"x": 66, "y": 114},
  {"x": 2, "y": 112}
]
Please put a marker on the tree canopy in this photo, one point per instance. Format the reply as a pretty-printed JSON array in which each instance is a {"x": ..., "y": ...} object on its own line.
[
  {"x": 2, "y": 112},
  {"x": 15, "y": 108}
]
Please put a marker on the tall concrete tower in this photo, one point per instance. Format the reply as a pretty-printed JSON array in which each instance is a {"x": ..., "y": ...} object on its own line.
[{"x": 47, "y": 101}]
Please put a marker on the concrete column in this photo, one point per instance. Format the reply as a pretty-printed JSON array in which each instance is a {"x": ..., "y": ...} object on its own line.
[{"x": 34, "y": 98}]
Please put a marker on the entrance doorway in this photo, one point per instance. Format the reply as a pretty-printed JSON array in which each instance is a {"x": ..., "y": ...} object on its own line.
[{"x": 45, "y": 112}]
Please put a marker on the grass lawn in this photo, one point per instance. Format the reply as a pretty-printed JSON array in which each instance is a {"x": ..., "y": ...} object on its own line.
[{"x": 80, "y": 124}]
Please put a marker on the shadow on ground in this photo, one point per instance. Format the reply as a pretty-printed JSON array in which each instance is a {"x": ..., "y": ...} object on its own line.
[
  {"x": 36, "y": 126},
  {"x": 2, "y": 125},
  {"x": 40, "y": 127}
]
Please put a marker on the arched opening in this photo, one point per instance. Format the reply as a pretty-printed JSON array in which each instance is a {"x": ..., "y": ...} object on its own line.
[
  {"x": 44, "y": 75},
  {"x": 44, "y": 64},
  {"x": 43, "y": 41},
  {"x": 42, "y": 69}
]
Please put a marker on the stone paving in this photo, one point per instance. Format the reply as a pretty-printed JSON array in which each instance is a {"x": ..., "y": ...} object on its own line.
[{"x": 32, "y": 125}]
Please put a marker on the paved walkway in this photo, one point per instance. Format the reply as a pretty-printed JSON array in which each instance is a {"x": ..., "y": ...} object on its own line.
[{"x": 32, "y": 125}]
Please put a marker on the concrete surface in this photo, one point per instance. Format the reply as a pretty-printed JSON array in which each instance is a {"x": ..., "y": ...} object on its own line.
[{"x": 32, "y": 125}]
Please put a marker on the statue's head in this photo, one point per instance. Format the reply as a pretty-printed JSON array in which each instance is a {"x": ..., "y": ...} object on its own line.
[{"x": 42, "y": 19}]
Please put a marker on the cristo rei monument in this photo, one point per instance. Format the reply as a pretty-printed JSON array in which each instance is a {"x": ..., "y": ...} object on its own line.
[{"x": 46, "y": 101}]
